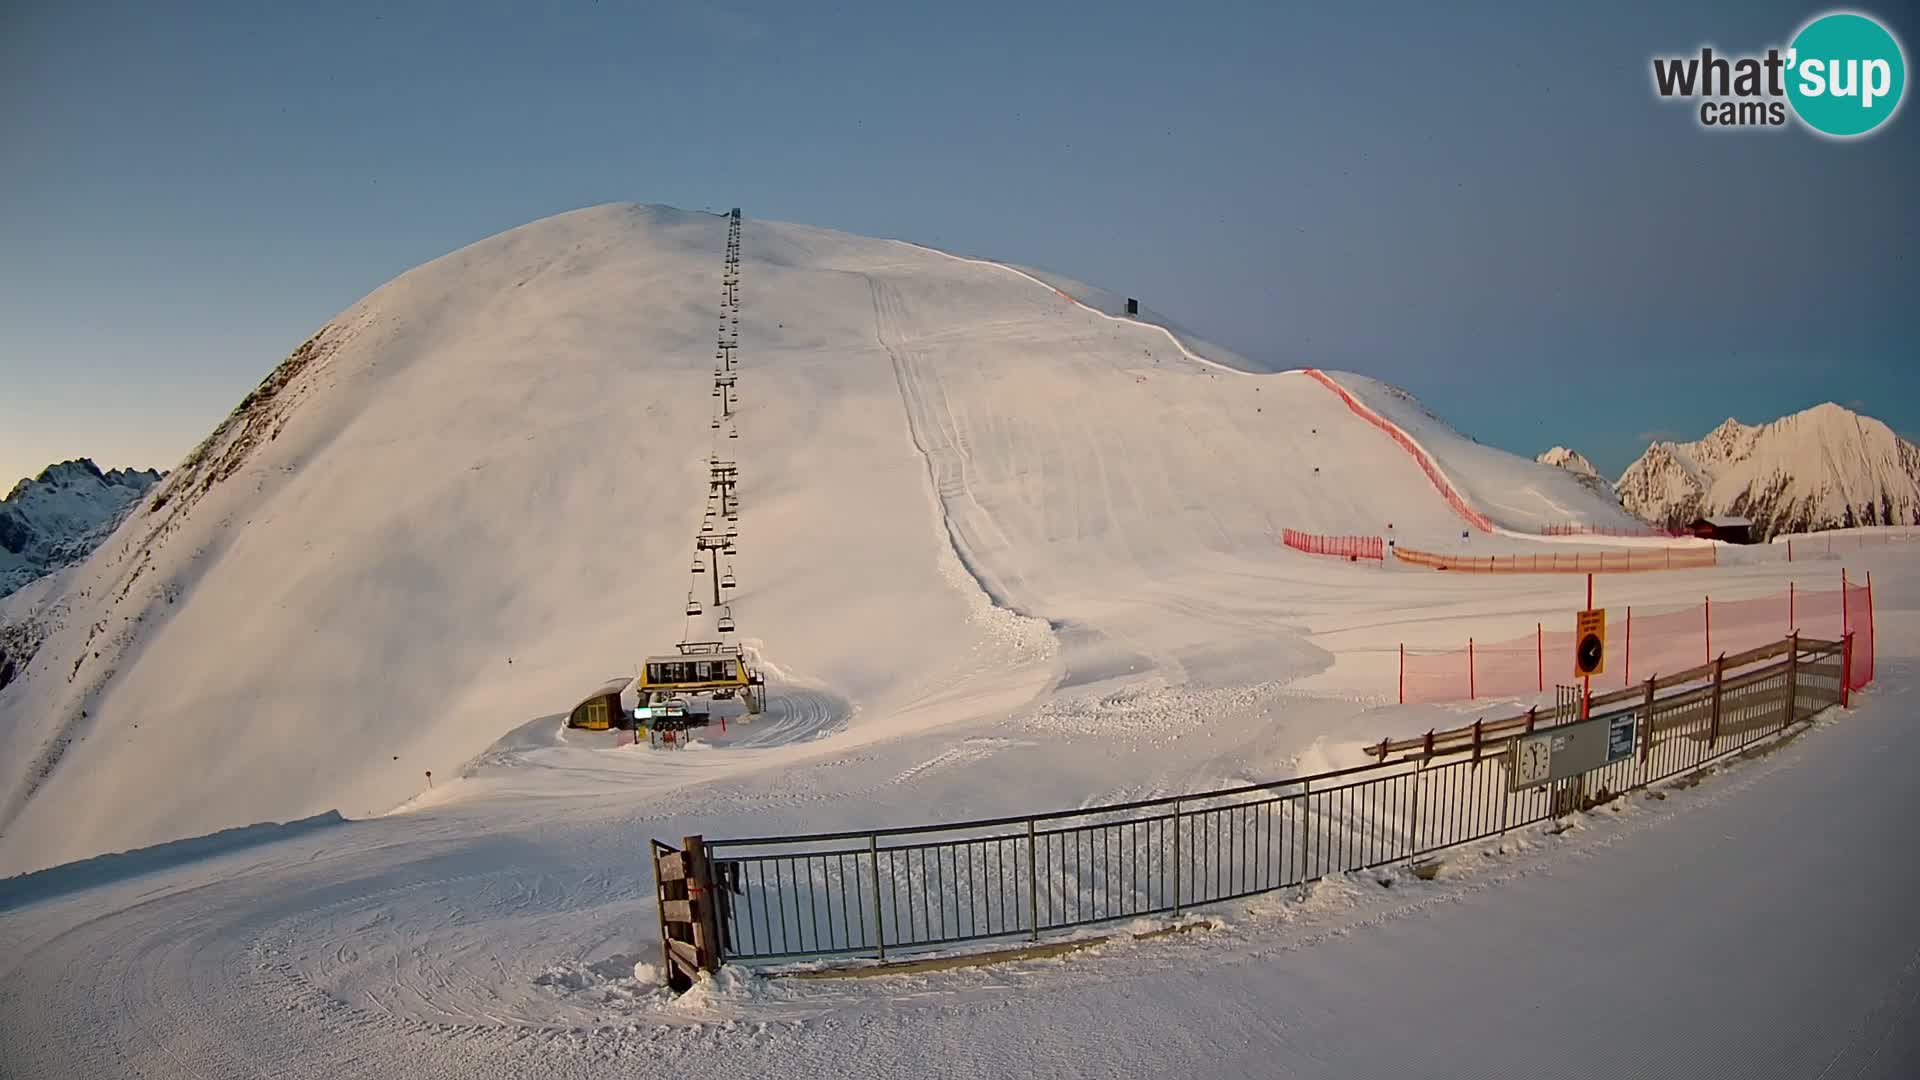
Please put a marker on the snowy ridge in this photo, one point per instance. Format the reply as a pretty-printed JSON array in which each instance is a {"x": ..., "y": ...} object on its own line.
[
  {"x": 1825, "y": 467},
  {"x": 58, "y": 517}
]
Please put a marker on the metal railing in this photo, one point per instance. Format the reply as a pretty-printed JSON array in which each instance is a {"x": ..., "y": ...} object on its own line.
[{"x": 881, "y": 891}]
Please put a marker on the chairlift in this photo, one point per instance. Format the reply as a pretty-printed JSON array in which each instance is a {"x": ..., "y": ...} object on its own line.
[
  {"x": 733, "y": 434},
  {"x": 699, "y": 567},
  {"x": 726, "y": 623},
  {"x": 693, "y": 606},
  {"x": 716, "y": 424},
  {"x": 732, "y": 531},
  {"x": 727, "y": 582}
]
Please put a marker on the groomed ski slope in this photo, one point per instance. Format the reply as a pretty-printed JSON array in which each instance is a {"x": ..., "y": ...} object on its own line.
[{"x": 475, "y": 500}]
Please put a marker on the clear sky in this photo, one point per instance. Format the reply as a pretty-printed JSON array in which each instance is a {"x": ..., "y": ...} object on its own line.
[{"x": 1485, "y": 204}]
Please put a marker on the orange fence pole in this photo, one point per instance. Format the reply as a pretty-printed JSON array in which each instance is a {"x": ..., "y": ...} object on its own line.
[
  {"x": 1540, "y": 657},
  {"x": 1403, "y": 673},
  {"x": 1471, "y": 690}
]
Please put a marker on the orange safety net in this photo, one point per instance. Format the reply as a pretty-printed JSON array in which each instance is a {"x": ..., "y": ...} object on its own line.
[
  {"x": 1624, "y": 560},
  {"x": 1643, "y": 645}
]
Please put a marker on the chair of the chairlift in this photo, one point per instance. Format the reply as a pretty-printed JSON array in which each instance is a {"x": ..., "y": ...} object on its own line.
[
  {"x": 726, "y": 622},
  {"x": 698, "y": 566},
  {"x": 693, "y": 606},
  {"x": 727, "y": 582}
]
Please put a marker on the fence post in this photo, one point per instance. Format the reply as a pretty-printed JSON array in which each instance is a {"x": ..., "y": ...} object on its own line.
[
  {"x": 879, "y": 927},
  {"x": 1873, "y": 642},
  {"x": 1472, "y": 691},
  {"x": 1646, "y": 744},
  {"x": 1846, "y": 668},
  {"x": 1713, "y": 730},
  {"x": 1793, "y": 676},
  {"x": 1413, "y": 834},
  {"x": 1708, "y": 609},
  {"x": 1033, "y": 885},
  {"x": 706, "y": 921},
  {"x": 1306, "y": 796},
  {"x": 1176, "y": 856},
  {"x": 1793, "y": 618},
  {"x": 1476, "y": 741}
]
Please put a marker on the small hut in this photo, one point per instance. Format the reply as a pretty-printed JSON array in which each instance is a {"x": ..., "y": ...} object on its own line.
[
  {"x": 603, "y": 708},
  {"x": 1728, "y": 529}
]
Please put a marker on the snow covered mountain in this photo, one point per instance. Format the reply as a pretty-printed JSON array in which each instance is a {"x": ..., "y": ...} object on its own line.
[
  {"x": 1571, "y": 460},
  {"x": 472, "y": 496},
  {"x": 1576, "y": 463},
  {"x": 1825, "y": 467},
  {"x": 59, "y": 517}
]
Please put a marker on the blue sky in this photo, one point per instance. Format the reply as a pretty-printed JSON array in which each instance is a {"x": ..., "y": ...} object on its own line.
[{"x": 1483, "y": 203}]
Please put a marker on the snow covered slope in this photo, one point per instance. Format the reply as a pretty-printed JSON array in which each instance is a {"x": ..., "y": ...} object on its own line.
[
  {"x": 470, "y": 498},
  {"x": 1824, "y": 467},
  {"x": 57, "y": 518},
  {"x": 1517, "y": 494}
]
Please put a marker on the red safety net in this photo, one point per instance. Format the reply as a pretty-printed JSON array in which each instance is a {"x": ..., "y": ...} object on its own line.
[
  {"x": 1392, "y": 430},
  {"x": 1643, "y": 645},
  {"x": 1352, "y": 547}
]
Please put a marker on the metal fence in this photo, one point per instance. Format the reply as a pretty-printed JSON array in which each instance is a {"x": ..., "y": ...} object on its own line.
[{"x": 885, "y": 891}]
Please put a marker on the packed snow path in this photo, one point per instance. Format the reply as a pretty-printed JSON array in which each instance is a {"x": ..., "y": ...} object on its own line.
[{"x": 1759, "y": 924}]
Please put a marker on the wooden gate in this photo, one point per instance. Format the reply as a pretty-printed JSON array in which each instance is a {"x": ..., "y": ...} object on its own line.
[{"x": 689, "y": 911}]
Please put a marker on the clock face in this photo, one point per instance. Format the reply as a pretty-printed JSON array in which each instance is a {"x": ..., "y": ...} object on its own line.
[
  {"x": 1590, "y": 652},
  {"x": 1533, "y": 760}
]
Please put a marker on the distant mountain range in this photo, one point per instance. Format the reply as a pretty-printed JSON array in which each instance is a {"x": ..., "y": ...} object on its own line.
[
  {"x": 1822, "y": 468},
  {"x": 57, "y": 518}
]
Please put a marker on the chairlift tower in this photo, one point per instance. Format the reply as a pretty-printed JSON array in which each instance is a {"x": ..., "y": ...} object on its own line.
[{"x": 713, "y": 544}]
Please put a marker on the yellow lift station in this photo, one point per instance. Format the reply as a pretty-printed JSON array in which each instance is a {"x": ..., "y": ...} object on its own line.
[{"x": 709, "y": 668}]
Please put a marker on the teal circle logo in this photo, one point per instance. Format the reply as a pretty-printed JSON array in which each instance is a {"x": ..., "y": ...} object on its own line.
[{"x": 1845, "y": 74}]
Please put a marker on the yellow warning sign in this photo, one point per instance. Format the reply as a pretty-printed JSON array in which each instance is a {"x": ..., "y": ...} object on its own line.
[{"x": 1590, "y": 643}]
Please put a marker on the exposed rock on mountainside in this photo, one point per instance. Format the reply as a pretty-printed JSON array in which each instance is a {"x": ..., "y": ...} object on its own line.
[{"x": 59, "y": 517}]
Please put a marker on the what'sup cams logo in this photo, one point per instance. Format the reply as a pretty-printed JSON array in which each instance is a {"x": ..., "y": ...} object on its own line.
[{"x": 1843, "y": 76}]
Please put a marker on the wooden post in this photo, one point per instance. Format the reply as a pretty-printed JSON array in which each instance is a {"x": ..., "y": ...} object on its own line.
[
  {"x": 1626, "y": 678},
  {"x": 1793, "y": 618},
  {"x": 1646, "y": 743},
  {"x": 1708, "y": 610},
  {"x": 1713, "y": 731},
  {"x": 1793, "y": 677},
  {"x": 706, "y": 911},
  {"x": 1476, "y": 741}
]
